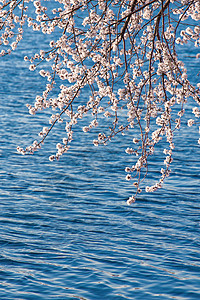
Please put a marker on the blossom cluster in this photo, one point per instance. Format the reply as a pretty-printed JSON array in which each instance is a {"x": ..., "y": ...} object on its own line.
[{"x": 125, "y": 54}]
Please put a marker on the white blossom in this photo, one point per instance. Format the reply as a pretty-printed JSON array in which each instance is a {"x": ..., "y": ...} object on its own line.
[{"x": 120, "y": 66}]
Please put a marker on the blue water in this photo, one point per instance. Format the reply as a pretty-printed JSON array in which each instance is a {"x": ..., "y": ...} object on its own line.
[{"x": 66, "y": 231}]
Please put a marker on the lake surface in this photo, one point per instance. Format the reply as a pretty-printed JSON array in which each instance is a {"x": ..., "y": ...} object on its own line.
[{"x": 66, "y": 231}]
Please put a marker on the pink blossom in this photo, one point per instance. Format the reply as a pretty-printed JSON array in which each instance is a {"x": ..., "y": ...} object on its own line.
[
  {"x": 95, "y": 142},
  {"x": 128, "y": 177},
  {"x": 32, "y": 67},
  {"x": 135, "y": 141},
  {"x": 190, "y": 122},
  {"x": 131, "y": 200},
  {"x": 51, "y": 158}
]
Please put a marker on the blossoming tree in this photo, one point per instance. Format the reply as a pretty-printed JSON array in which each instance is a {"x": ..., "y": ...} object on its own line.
[{"x": 125, "y": 55}]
